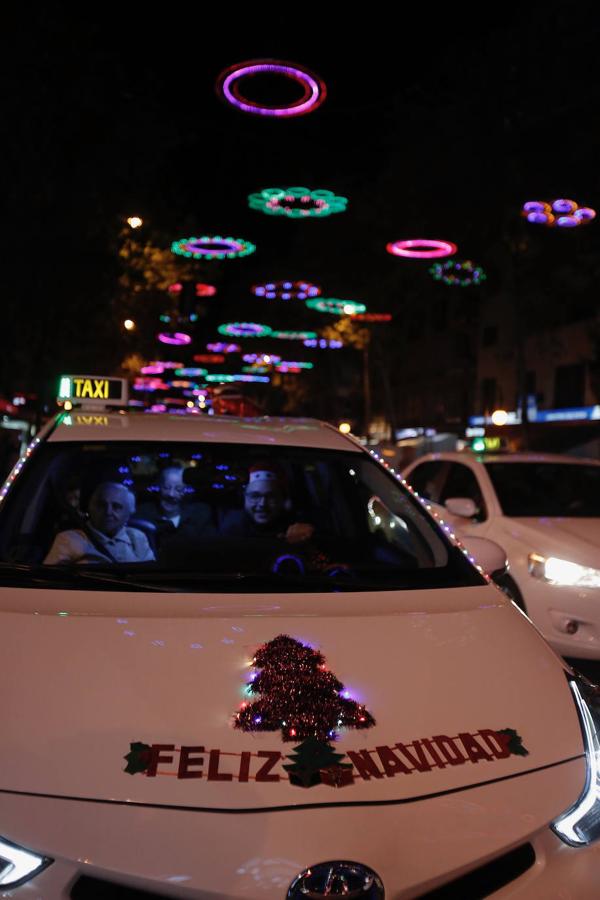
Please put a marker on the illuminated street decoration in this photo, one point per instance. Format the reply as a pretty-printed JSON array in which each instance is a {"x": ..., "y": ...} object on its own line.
[
  {"x": 227, "y": 379},
  {"x": 263, "y": 359},
  {"x": 219, "y": 347},
  {"x": 293, "y": 335},
  {"x": 373, "y": 317},
  {"x": 211, "y": 357},
  {"x": 286, "y": 364},
  {"x": 286, "y": 290},
  {"x": 297, "y": 202},
  {"x": 149, "y": 384},
  {"x": 463, "y": 274},
  {"x": 563, "y": 213},
  {"x": 202, "y": 290},
  {"x": 336, "y": 307},
  {"x": 313, "y": 88},
  {"x": 177, "y": 338},
  {"x": 166, "y": 363},
  {"x": 212, "y": 247},
  {"x": 191, "y": 372},
  {"x": 156, "y": 369},
  {"x": 421, "y": 248},
  {"x": 256, "y": 370},
  {"x": 323, "y": 344},
  {"x": 244, "y": 329}
]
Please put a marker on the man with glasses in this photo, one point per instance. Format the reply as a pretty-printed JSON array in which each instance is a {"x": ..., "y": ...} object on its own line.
[{"x": 171, "y": 515}]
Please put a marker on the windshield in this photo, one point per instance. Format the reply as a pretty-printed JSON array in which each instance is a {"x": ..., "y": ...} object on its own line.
[
  {"x": 225, "y": 517},
  {"x": 546, "y": 489}
]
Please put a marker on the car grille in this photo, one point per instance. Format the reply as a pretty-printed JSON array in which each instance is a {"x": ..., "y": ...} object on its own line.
[
  {"x": 483, "y": 881},
  {"x": 476, "y": 885}
]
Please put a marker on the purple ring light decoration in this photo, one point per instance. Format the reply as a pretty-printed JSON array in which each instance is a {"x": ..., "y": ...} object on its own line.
[
  {"x": 166, "y": 364},
  {"x": 536, "y": 206},
  {"x": 261, "y": 358},
  {"x": 313, "y": 87},
  {"x": 176, "y": 338},
  {"x": 540, "y": 218},
  {"x": 212, "y": 247},
  {"x": 286, "y": 290},
  {"x": 433, "y": 249},
  {"x": 323, "y": 343},
  {"x": 564, "y": 207},
  {"x": 568, "y": 222},
  {"x": 152, "y": 369},
  {"x": 585, "y": 213}
]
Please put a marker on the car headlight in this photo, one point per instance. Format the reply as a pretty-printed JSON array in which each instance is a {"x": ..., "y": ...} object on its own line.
[
  {"x": 561, "y": 571},
  {"x": 580, "y": 825},
  {"x": 18, "y": 865}
]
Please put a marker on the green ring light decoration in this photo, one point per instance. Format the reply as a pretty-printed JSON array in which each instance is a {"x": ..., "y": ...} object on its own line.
[
  {"x": 297, "y": 202},
  {"x": 454, "y": 272},
  {"x": 244, "y": 329},
  {"x": 336, "y": 307},
  {"x": 210, "y": 247}
]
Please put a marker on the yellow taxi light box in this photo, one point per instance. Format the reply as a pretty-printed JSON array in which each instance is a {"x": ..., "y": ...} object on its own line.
[{"x": 93, "y": 390}]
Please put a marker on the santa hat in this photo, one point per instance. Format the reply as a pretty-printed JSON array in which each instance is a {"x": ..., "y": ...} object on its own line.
[{"x": 264, "y": 471}]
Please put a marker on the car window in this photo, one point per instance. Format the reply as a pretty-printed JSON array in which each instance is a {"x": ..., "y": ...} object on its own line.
[
  {"x": 461, "y": 481},
  {"x": 428, "y": 479},
  {"x": 224, "y": 515},
  {"x": 546, "y": 489}
]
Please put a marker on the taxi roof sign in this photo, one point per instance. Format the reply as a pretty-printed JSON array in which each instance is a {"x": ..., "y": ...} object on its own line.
[{"x": 93, "y": 390}]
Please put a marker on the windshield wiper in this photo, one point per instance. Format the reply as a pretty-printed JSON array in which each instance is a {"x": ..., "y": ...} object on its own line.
[{"x": 49, "y": 575}]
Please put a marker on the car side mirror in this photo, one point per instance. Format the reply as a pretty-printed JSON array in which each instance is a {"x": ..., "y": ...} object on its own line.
[
  {"x": 487, "y": 554},
  {"x": 461, "y": 506}
]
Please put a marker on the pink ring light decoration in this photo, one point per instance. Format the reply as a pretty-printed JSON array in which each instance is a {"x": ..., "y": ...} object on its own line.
[
  {"x": 313, "y": 88},
  {"x": 408, "y": 249},
  {"x": 177, "y": 338}
]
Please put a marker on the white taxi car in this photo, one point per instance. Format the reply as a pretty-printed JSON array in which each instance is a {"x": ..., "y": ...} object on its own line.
[
  {"x": 324, "y": 699},
  {"x": 544, "y": 510}
]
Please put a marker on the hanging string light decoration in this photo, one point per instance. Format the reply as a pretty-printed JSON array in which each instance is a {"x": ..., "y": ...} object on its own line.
[
  {"x": 210, "y": 358},
  {"x": 286, "y": 290},
  {"x": 336, "y": 307},
  {"x": 421, "y": 248},
  {"x": 462, "y": 274},
  {"x": 297, "y": 202},
  {"x": 191, "y": 372},
  {"x": 562, "y": 213},
  {"x": 373, "y": 317},
  {"x": 166, "y": 363},
  {"x": 244, "y": 329},
  {"x": 210, "y": 247},
  {"x": 229, "y": 379},
  {"x": 323, "y": 344},
  {"x": 284, "y": 365},
  {"x": 313, "y": 88}
]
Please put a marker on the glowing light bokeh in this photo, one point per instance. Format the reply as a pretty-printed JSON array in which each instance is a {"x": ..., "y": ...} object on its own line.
[
  {"x": 336, "y": 307},
  {"x": 458, "y": 273},
  {"x": 176, "y": 338},
  {"x": 263, "y": 359},
  {"x": 373, "y": 317},
  {"x": 227, "y": 379},
  {"x": 293, "y": 335},
  {"x": 314, "y": 90},
  {"x": 323, "y": 344},
  {"x": 219, "y": 347},
  {"x": 410, "y": 248},
  {"x": 166, "y": 363},
  {"x": 209, "y": 357},
  {"x": 286, "y": 290},
  {"x": 297, "y": 202},
  {"x": 212, "y": 247},
  {"x": 244, "y": 329},
  {"x": 191, "y": 372}
]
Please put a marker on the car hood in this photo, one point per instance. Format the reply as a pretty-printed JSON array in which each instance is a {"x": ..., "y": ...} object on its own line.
[
  {"x": 134, "y": 698},
  {"x": 577, "y": 540}
]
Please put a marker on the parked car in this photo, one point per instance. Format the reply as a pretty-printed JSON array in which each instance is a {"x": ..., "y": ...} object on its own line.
[
  {"x": 324, "y": 699},
  {"x": 544, "y": 510}
]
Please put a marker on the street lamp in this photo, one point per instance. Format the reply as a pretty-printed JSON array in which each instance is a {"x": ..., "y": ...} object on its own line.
[
  {"x": 499, "y": 417},
  {"x": 135, "y": 222},
  {"x": 129, "y": 325},
  {"x": 345, "y": 427}
]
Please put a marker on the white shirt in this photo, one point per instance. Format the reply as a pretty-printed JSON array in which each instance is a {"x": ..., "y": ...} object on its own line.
[{"x": 75, "y": 546}]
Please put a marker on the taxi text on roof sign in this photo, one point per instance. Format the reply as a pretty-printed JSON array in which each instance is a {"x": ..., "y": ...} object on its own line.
[{"x": 93, "y": 390}]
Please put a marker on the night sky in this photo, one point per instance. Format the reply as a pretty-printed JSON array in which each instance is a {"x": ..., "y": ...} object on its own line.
[{"x": 434, "y": 126}]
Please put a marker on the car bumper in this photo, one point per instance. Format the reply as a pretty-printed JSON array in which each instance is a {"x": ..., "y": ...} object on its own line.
[
  {"x": 558, "y": 610},
  {"x": 414, "y": 847}
]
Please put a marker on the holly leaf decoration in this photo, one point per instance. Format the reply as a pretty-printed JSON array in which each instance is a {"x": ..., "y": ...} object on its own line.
[
  {"x": 138, "y": 758},
  {"x": 514, "y": 742}
]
